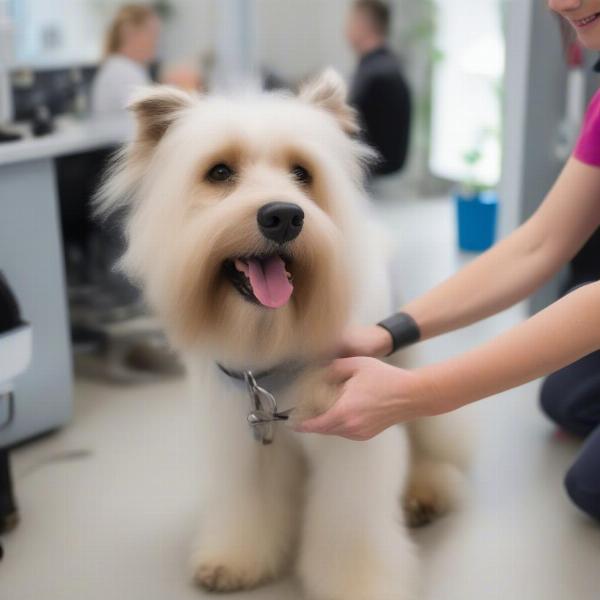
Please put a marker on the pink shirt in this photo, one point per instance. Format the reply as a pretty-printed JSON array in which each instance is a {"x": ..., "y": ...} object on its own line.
[{"x": 587, "y": 149}]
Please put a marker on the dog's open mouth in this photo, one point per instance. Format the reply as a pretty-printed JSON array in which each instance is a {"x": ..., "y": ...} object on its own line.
[{"x": 261, "y": 279}]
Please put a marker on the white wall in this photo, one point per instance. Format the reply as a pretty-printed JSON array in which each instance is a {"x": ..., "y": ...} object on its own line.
[
  {"x": 296, "y": 39},
  {"x": 189, "y": 34}
]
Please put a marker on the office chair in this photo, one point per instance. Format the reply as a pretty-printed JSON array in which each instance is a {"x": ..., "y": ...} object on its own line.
[{"x": 15, "y": 354}]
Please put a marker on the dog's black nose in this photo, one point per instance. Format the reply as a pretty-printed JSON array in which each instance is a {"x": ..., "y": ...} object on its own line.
[{"x": 280, "y": 221}]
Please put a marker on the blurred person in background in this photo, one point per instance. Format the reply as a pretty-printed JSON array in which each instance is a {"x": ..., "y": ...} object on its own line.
[
  {"x": 130, "y": 47},
  {"x": 379, "y": 90}
]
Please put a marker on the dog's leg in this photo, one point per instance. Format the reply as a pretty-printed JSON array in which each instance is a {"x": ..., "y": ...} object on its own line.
[
  {"x": 250, "y": 504},
  {"x": 354, "y": 544},
  {"x": 441, "y": 450},
  {"x": 440, "y": 456}
]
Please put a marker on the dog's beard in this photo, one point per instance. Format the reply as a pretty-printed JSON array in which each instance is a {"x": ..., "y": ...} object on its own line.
[{"x": 245, "y": 299}]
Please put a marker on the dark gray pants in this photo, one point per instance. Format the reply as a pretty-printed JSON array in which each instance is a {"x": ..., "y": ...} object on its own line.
[{"x": 571, "y": 398}]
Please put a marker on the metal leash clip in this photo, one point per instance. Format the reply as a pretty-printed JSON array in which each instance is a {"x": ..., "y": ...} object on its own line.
[{"x": 264, "y": 411}]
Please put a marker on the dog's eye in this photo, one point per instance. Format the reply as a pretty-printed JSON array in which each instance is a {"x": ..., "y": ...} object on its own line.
[
  {"x": 301, "y": 174},
  {"x": 220, "y": 173}
]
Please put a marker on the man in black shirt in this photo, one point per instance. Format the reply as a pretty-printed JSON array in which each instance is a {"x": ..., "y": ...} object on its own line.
[{"x": 379, "y": 91}]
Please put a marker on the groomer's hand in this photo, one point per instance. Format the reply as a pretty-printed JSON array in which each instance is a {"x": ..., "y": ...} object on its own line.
[
  {"x": 366, "y": 341},
  {"x": 374, "y": 396}
]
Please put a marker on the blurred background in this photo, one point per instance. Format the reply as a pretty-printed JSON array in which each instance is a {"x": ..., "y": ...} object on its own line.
[
  {"x": 473, "y": 105},
  {"x": 56, "y": 49}
]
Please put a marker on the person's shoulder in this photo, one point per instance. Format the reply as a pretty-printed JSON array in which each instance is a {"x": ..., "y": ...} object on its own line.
[
  {"x": 114, "y": 83},
  {"x": 587, "y": 148},
  {"x": 592, "y": 113},
  {"x": 387, "y": 70},
  {"x": 117, "y": 62},
  {"x": 110, "y": 66},
  {"x": 120, "y": 71},
  {"x": 385, "y": 63},
  {"x": 594, "y": 105},
  {"x": 386, "y": 56},
  {"x": 112, "y": 61}
]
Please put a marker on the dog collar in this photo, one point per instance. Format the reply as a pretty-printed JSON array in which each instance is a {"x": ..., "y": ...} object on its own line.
[{"x": 264, "y": 412}]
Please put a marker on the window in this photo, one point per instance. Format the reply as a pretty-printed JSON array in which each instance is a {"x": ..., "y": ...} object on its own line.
[{"x": 467, "y": 84}]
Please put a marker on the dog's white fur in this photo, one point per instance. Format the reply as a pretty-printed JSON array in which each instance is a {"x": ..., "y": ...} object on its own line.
[{"x": 330, "y": 504}]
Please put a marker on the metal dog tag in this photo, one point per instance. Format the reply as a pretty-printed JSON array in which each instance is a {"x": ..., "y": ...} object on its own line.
[{"x": 263, "y": 412}]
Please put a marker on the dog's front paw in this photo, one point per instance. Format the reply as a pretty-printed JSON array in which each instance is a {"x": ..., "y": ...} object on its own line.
[
  {"x": 313, "y": 395},
  {"x": 223, "y": 578},
  {"x": 229, "y": 575},
  {"x": 422, "y": 511},
  {"x": 434, "y": 490}
]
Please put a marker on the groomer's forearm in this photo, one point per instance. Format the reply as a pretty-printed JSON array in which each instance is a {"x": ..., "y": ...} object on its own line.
[
  {"x": 501, "y": 277},
  {"x": 561, "y": 334},
  {"x": 522, "y": 262}
]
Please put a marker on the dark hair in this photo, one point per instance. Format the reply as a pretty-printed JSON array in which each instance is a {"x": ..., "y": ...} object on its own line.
[{"x": 378, "y": 13}]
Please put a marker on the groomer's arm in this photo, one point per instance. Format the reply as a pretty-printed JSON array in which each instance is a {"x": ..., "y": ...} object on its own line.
[
  {"x": 510, "y": 271},
  {"x": 376, "y": 395}
]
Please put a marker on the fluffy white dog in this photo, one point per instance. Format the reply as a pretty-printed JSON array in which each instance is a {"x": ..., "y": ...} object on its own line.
[{"x": 247, "y": 230}]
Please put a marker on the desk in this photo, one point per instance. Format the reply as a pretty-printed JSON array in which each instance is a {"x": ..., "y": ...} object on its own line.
[{"x": 31, "y": 257}]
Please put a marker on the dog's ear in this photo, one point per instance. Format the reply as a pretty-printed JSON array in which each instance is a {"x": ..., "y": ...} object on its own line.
[
  {"x": 155, "y": 109},
  {"x": 329, "y": 92}
]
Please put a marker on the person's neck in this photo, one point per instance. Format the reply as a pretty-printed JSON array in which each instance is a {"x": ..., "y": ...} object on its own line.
[{"x": 370, "y": 45}]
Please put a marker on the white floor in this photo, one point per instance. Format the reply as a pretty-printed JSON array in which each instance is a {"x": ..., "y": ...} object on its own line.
[{"x": 108, "y": 504}]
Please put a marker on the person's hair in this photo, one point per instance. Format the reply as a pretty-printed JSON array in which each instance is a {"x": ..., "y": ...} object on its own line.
[
  {"x": 129, "y": 15},
  {"x": 377, "y": 12}
]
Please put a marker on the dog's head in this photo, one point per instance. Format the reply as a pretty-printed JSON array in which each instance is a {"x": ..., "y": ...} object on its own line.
[{"x": 239, "y": 217}]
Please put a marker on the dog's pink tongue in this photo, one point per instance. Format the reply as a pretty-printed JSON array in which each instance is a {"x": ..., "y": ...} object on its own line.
[{"x": 269, "y": 281}]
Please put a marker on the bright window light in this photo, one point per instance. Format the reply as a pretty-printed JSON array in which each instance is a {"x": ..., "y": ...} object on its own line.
[{"x": 467, "y": 83}]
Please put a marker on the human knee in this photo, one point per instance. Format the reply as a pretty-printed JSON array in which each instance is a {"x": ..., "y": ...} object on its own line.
[
  {"x": 569, "y": 398},
  {"x": 582, "y": 488},
  {"x": 550, "y": 398}
]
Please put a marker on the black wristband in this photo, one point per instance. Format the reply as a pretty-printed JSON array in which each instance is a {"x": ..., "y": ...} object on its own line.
[{"x": 403, "y": 329}]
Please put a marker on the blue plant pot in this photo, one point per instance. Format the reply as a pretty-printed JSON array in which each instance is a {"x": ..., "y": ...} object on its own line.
[{"x": 476, "y": 217}]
